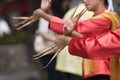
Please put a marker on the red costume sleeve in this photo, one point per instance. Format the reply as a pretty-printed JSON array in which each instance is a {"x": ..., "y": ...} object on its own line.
[
  {"x": 56, "y": 24},
  {"x": 97, "y": 47},
  {"x": 91, "y": 26}
]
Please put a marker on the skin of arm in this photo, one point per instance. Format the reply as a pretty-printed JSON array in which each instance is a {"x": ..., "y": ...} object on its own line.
[
  {"x": 40, "y": 13},
  {"x": 46, "y": 37}
]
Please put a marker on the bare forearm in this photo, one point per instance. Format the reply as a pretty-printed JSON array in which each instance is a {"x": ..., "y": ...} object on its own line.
[
  {"x": 76, "y": 34},
  {"x": 46, "y": 16},
  {"x": 40, "y": 13},
  {"x": 47, "y": 37}
]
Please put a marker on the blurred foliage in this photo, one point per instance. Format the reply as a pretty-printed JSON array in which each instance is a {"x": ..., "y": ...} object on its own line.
[{"x": 16, "y": 37}]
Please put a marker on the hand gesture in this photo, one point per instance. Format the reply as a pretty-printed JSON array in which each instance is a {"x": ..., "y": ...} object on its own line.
[
  {"x": 57, "y": 47},
  {"x": 69, "y": 27},
  {"x": 70, "y": 24},
  {"x": 37, "y": 13}
]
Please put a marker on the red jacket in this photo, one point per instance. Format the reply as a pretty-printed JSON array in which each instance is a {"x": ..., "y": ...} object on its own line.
[{"x": 89, "y": 28}]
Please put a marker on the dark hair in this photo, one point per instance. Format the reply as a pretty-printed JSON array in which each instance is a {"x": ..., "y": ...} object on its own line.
[
  {"x": 57, "y": 8},
  {"x": 106, "y": 3}
]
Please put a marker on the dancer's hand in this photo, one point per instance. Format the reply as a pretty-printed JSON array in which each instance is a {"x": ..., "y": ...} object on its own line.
[
  {"x": 45, "y": 5},
  {"x": 57, "y": 47},
  {"x": 38, "y": 13},
  {"x": 62, "y": 41},
  {"x": 69, "y": 26}
]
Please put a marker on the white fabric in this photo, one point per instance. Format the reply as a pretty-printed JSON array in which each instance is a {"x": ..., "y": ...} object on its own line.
[
  {"x": 43, "y": 25},
  {"x": 110, "y": 6},
  {"x": 4, "y": 28},
  {"x": 39, "y": 43}
]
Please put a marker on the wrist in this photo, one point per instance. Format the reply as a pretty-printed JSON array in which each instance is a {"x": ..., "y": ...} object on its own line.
[{"x": 67, "y": 39}]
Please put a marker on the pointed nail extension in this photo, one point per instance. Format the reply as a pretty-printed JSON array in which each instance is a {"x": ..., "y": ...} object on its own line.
[
  {"x": 45, "y": 50},
  {"x": 46, "y": 53},
  {"x": 26, "y": 24},
  {"x": 59, "y": 50},
  {"x": 21, "y": 18}
]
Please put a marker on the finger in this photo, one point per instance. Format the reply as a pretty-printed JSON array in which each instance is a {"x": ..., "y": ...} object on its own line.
[
  {"x": 66, "y": 32},
  {"x": 78, "y": 17},
  {"x": 44, "y": 51},
  {"x": 59, "y": 50}
]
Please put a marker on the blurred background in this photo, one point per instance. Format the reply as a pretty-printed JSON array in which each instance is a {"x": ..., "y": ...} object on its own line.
[
  {"x": 16, "y": 50},
  {"x": 16, "y": 46}
]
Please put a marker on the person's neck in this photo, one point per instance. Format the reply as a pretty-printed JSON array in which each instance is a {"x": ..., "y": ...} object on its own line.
[{"x": 100, "y": 10}]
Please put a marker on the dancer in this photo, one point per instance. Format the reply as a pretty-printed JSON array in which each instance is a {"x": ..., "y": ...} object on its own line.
[{"x": 101, "y": 23}]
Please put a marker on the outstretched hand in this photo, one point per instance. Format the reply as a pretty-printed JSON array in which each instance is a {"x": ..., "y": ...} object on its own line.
[{"x": 57, "y": 47}]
